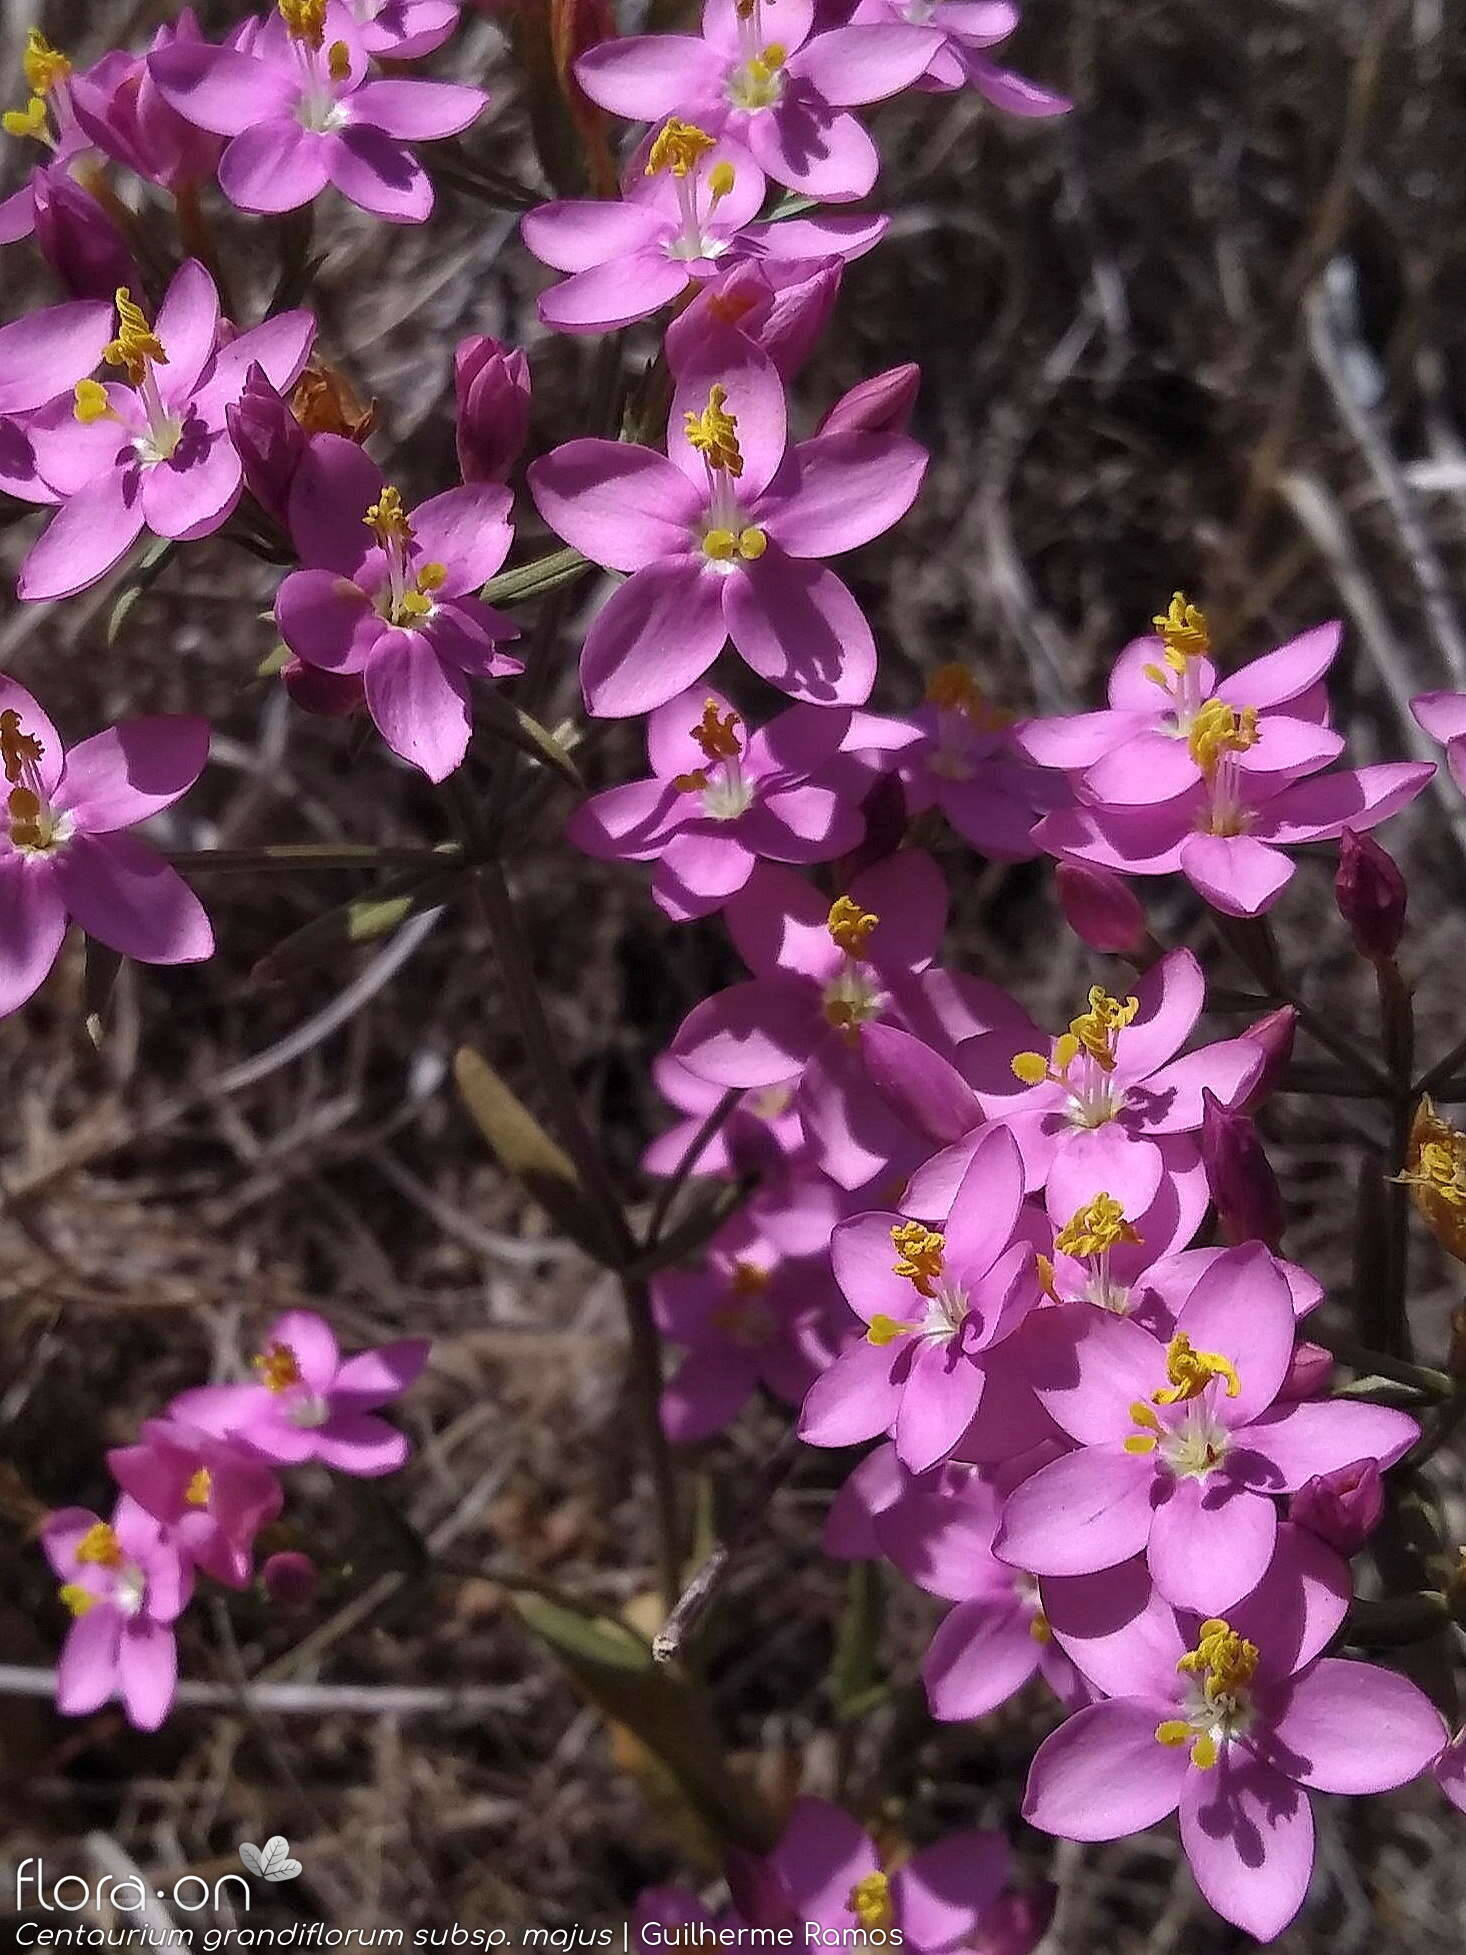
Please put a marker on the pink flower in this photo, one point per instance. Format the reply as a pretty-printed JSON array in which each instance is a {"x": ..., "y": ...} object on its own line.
[
  {"x": 404, "y": 30},
  {"x": 934, "y": 1303},
  {"x": 1106, "y": 1107},
  {"x": 720, "y": 536},
  {"x": 1443, "y": 716},
  {"x": 1181, "y": 1445},
  {"x": 823, "y": 975},
  {"x": 211, "y": 1496},
  {"x": 63, "y": 852},
  {"x": 49, "y": 118},
  {"x": 127, "y": 117},
  {"x": 969, "y": 29},
  {"x": 757, "y": 76},
  {"x": 491, "y": 382},
  {"x": 125, "y": 1582},
  {"x": 308, "y": 1402},
  {"x": 720, "y": 799},
  {"x": 151, "y": 452},
  {"x": 688, "y": 219},
  {"x": 749, "y": 1316},
  {"x": 770, "y": 306},
  {"x": 293, "y": 97},
  {"x": 1235, "y": 1720},
  {"x": 393, "y": 597}
]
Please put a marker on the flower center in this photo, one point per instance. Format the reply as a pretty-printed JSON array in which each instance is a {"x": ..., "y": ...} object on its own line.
[
  {"x": 869, "y": 1901},
  {"x": 678, "y": 151},
  {"x": 317, "y": 107},
  {"x": 406, "y": 599},
  {"x": 744, "y": 1318},
  {"x": 919, "y": 1252},
  {"x": 758, "y": 82},
  {"x": 850, "y": 998},
  {"x": 1218, "y": 1701},
  {"x": 1088, "y": 1236},
  {"x": 1083, "y": 1058},
  {"x": 200, "y": 1489},
  {"x": 277, "y": 1368},
  {"x": 137, "y": 350},
  {"x": 725, "y": 535},
  {"x": 1198, "y": 1440},
  {"x": 35, "y": 828},
  {"x": 725, "y": 792},
  {"x": 1218, "y": 732}
]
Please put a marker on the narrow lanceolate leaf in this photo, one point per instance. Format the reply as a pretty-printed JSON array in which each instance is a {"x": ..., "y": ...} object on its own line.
[
  {"x": 362, "y": 921},
  {"x": 525, "y": 1150},
  {"x": 664, "y": 1710},
  {"x": 529, "y": 580},
  {"x": 855, "y": 1682},
  {"x": 525, "y": 733},
  {"x": 144, "y": 574}
]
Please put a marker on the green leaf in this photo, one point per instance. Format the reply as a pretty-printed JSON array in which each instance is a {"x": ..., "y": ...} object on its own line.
[
  {"x": 525, "y": 733},
  {"x": 660, "y": 1705},
  {"x": 791, "y": 204},
  {"x": 363, "y": 920},
  {"x": 525, "y": 1150},
  {"x": 145, "y": 573},
  {"x": 529, "y": 580},
  {"x": 855, "y": 1680},
  {"x": 275, "y": 662}
]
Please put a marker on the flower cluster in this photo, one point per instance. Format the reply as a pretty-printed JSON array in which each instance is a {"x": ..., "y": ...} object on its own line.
[{"x": 196, "y": 1492}]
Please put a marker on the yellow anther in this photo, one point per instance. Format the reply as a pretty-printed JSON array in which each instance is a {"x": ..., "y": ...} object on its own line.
[
  {"x": 1183, "y": 631},
  {"x": 338, "y": 61},
  {"x": 136, "y": 342},
  {"x": 1221, "y": 729},
  {"x": 277, "y": 1368},
  {"x": 1066, "y": 1051},
  {"x": 766, "y": 64},
  {"x": 850, "y": 925},
  {"x": 919, "y": 1250},
  {"x": 99, "y": 1547},
  {"x": 1043, "y": 1269},
  {"x": 1435, "y": 1174},
  {"x": 1096, "y": 1227},
  {"x": 714, "y": 433},
  {"x": 1175, "y": 1732},
  {"x": 1031, "y": 1067},
  {"x": 752, "y": 542},
  {"x": 387, "y": 519},
  {"x": 33, "y": 120},
  {"x": 747, "y": 1279},
  {"x": 1191, "y": 1371},
  {"x": 721, "y": 545},
  {"x": 200, "y": 1488},
  {"x": 721, "y": 179},
  {"x": 27, "y": 830},
  {"x": 92, "y": 403},
  {"x": 77, "y": 1598},
  {"x": 883, "y": 1330},
  {"x": 870, "y": 1902},
  {"x": 1097, "y": 1029},
  {"x": 306, "y": 20},
  {"x": 1149, "y": 1438},
  {"x": 44, "y": 65},
  {"x": 1225, "y": 1661},
  {"x": 1204, "y": 1752},
  {"x": 692, "y": 783},
  {"x": 18, "y": 749},
  {"x": 1038, "y": 1627},
  {"x": 678, "y": 147},
  {"x": 715, "y": 734}
]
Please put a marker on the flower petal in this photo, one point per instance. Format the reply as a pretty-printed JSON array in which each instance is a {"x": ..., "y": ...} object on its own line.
[
  {"x": 621, "y": 505},
  {"x": 653, "y": 637},
  {"x": 126, "y": 896},
  {"x": 32, "y": 925},
  {"x": 798, "y": 626},
  {"x": 132, "y": 771},
  {"x": 274, "y": 166},
  {"x": 419, "y": 705},
  {"x": 1248, "y": 1833},
  {"x": 1102, "y": 1774}
]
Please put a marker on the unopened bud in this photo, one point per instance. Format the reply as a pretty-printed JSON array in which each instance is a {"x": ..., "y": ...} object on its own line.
[
  {"x": 492, "y": 384},
  {"x": 329, "y": 695},
  {"x": 880, "y": 405},
  {"x": 1342, "y": 1507},
  {"x": 269, "y": 440},
  {"x": 1101, "y": 908},
  {"x": 290, "y": 1579},
  {"x": 1370, "y": 893},
  {"x": 78, "y": 239},
  {"x": 1274, "y": 1034},
  {"x": 1310, "y": 1370},
  {"x": 1243, "y": 1185},
  {"x": 780, "y": 308}
]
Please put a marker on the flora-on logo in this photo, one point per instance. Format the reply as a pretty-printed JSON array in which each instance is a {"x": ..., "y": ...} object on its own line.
[{"x": 271, "y": 1861}]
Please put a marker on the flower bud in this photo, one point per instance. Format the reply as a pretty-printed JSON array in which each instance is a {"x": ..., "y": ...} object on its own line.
[
  {"x": 1342, "y": 1507},
  {"x": 1274, "y": 1033},
  {"x": 1309, "y": 1371},
  {"x": 290, "y": 1579},
  {"x": 492, "y": 384},
  {"x": 269, "y": 440},
  {"x": 330, "y": 695},
  {"x": 1238, "y": 1173},
  {"x": 779, "y": 308},
  {"x": 78, "y": 239},
  {"x": 1101, "y": 908},
  {"x": 880, "y": 405},
  {"x": 1370, "y": 893}
]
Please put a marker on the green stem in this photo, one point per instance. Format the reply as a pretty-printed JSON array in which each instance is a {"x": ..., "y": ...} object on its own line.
[{"x": 289, "y": 856}]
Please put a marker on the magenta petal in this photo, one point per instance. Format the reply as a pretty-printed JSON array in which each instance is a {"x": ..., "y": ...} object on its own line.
[
  {"x": 1089, "y": 1367},
  {"x": 327, "y": 620},
  {"x": 419, "y": 705},
  {"x": 1102, "y": 1774},
  {"x": 647, "y": 76},
  {"x": 755, "y": 397},
  {"x": 1089, "y": 1510},
  {"x": 360, "y": 1443},
  {"x": 48, "y": 351},
  {"x": 854, "y": 65},
  {"x": 466, "y": 530},
  {"x": 188, "y": 325},
  {"x": 371, "y": 1378},
  {"x": 1293, "y": 1442},
  {"x": 378, "y": 174},
  {"x": 278, "y": 346},
  {"x": 798, "y": 627},
  {"x": 943, "y": 1890},
  {"x": 824, "y": 153},
  {"x": 982, "y": 1653},
  {"x": 925, "y": 1089},
  {"x": 630, "y": 823},
  {"x": 87, "y": 1672},
  {"x": 938, "y": 1402},
  {"x": 32, "y": 924},
  {"x": 621, "y": 505},
  {"x": 274, "y": 166},
  {"x": 1011, "y": 92},
  {"x": 417, "y": 111},
  {"x": 89, "y": 534},
  {"x": 147, "y": 1672},
  {"x": 1170, "y": 1101},
  {"x": 132, "y": 771},
  {"x": 128, "y": 898},
  {"x": 654, "y": 636},
  {"x": 1210, "y": 1543},
  {"x": 219, "y": 89},
  {"x": 1102, "y": 1160},
  {"x": 755, "y": 1034},
  {"x": 1248, "y": 1834},
  {"x": 574, "y": 235},
  {"x": 191, "y": 493},
  {"x": 334, "y": 486},
  {"x": 705, "y": 1393},
  {"x": 820, "y": 1855},
  {"x": 802, "y": 824},
  {"x": 698, "y": 872},
  {"x": 855, "y": 1399},
  {"x": 1242, "y": 1307},
  {"x": 1351, "y": 1727},
  {"x": 1281, "y": 677},
  {"x": 1315, "y": 810},
  {"x": 1237, "y": 874},
  {"x": 606, "y": 297},
  {"x": 840, "y": 490}
]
